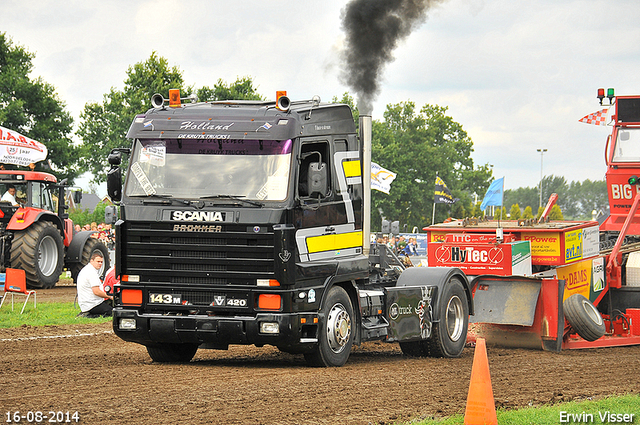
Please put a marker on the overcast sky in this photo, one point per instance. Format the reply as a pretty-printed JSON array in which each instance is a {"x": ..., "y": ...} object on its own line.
[{"x": 517, "y": 75}]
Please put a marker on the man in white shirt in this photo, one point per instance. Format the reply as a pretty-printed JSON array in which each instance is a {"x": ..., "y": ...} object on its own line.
[
  {"x": 10, "y": 195},
  {"x": 91, "y": 297}
]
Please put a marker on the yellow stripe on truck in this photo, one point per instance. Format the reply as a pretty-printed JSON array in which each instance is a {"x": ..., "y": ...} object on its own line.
[
  {"x": 334, "y": 242},
  {"x": 351, "y": 168}
]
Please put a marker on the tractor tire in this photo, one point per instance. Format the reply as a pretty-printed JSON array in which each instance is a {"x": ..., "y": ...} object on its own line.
[
  {"x": 172, "y": 353},
  {"x": 584, "y": 317},
  {"x": 335, "y": 335},
  {"x": 38, "y": 250},
  {"x": 91, "y": 245},
  {"x": 449, "y": 334}
]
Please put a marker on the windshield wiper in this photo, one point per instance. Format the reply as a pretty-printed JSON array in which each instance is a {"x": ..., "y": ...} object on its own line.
[
  {"x": 235, "y": 198},
  {"x": 151, "y": 195},
  {"x": 162, "y": 196}
]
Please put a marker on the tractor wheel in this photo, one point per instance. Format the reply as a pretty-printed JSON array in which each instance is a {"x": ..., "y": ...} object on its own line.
[
  {"x": 335, "y": 336},
  {"x": 38, "y": 250},
  {"x": 172, "y": 353},
  {"x": 90, "y": 246},
  {"x": 584, "y": 317}
]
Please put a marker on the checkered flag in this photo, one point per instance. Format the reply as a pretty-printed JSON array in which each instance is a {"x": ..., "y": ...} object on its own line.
[{"x": 597, "y": 118}]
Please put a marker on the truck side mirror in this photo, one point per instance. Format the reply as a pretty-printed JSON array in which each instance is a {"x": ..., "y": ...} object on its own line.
[
  {"x": 77, "y": 196},
  {"x": 317, "y": 178},
  {"x": 115, "y": 158},
  {"x": 114, "y": 184},
  {"x": 385, "y": 226}
]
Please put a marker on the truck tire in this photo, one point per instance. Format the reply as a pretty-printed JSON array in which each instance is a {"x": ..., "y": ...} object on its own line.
[
  {"x": 449, "y": 334},
  {"x": 91, "y": 245},
  {"x": 335, "y": 336},
  {"x": 584, "y": 317},
  {"x": 172, "y": 353},
  {"x": 39, "y": 251}
]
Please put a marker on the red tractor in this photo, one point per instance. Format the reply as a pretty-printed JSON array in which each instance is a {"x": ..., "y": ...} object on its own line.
[{"x": 36, "y": 234}]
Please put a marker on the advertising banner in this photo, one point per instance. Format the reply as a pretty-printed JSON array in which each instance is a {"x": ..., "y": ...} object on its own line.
[
  {"x": 20, "y": 150},
  {"x": 477, "y": 258},
  {"x": 584, "y": 277}
]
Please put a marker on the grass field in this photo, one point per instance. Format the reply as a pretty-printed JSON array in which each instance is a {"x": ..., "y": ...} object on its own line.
[{"x": 44, "y": 314}]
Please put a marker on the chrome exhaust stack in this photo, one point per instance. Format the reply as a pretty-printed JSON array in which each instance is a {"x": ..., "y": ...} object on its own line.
[{"x": 365, "y": 138}]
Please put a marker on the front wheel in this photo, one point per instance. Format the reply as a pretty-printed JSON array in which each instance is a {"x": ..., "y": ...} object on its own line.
[
  {"x": 172, "y": 353},
  {"x": 39, "y": 251},
  {"x": 335, "y": 336}
]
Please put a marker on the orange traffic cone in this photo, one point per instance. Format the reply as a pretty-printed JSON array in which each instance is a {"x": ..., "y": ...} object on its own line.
[{"x": 481, "y": 408}]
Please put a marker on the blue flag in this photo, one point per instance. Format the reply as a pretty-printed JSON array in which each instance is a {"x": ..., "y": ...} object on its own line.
[{"x": 494, "y": 194}]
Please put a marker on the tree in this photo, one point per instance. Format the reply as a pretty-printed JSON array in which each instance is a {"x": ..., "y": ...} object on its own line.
[
  {"x": 514, "y": 213},
  {"x": 242, "y": 89},
  {"x": 416, "y": 146},
  {"x": 524, "y": 196},
  {"x": 555, "y": 213},
  {"x": 32, "y": 107},
  {"x": 527, "y": 213},
  {"x": 104, "y": 126}
]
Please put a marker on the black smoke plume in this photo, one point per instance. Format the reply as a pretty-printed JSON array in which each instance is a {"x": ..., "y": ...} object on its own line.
[{"x": 373, "y": 29}]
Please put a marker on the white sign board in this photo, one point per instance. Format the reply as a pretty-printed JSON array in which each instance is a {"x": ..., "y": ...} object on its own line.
[{"x": 20, "y": 150}]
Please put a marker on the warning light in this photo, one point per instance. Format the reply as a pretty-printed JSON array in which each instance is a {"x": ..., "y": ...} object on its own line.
[
  {"x": 174, "y": 98},
  {"x": 610, "y": 95},
  {"x": 633, "y": 180},
  {"x": 600, "y": 95}
]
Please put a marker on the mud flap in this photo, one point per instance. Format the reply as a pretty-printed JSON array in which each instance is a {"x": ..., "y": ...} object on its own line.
[
  {"x": 410, "y": 312},
  {"x": 516, "y": 311}
]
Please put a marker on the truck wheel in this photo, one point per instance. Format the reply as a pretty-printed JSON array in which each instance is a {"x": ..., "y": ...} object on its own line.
[
  {"x": 584, "y": 317},
  {"x": 91, "y": 245},
  {"x": 38, "y": 250},
  {"x": 450, "y": 333},
  {"x": 335, "y": 336},
  {"x": 172, "y": 353}
]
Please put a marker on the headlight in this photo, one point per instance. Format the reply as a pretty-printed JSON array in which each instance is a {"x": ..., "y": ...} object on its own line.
[
  {"x": 269, "y": 328},
  {"x": 127, "y": 324}
]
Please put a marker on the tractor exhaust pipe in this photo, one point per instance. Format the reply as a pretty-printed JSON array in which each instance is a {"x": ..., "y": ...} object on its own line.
[{"x": 365, "y": 138}]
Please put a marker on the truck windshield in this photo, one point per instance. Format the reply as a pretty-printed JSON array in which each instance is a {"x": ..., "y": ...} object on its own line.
[
  {"x": 627, "y": 147},
  {"x": 193, "y": 169}
]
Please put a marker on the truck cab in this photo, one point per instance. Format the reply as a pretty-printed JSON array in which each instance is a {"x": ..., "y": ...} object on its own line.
[{"x": 241, "y": 223}]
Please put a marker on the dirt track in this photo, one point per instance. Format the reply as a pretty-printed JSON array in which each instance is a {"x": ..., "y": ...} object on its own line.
[{"x": 108, "y": 381}]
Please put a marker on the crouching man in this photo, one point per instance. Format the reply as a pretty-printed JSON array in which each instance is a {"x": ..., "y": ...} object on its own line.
[{"x": 93, "y": 301}]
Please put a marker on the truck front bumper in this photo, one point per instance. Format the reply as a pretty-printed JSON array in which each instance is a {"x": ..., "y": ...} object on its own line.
[{"x": 286, "y": 330}]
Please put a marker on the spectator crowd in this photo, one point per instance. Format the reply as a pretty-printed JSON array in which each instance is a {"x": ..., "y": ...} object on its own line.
[{"x": 102, "y": 231}]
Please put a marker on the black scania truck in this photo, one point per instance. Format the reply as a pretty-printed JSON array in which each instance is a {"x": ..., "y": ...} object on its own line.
[{"x": 245, "y": 222}]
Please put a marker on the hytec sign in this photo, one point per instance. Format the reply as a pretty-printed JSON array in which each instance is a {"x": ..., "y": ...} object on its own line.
[{"x": 476, "y": 254}]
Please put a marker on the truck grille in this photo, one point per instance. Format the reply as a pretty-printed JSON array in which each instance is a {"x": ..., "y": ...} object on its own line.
[{"x": 235, "y": 256}]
